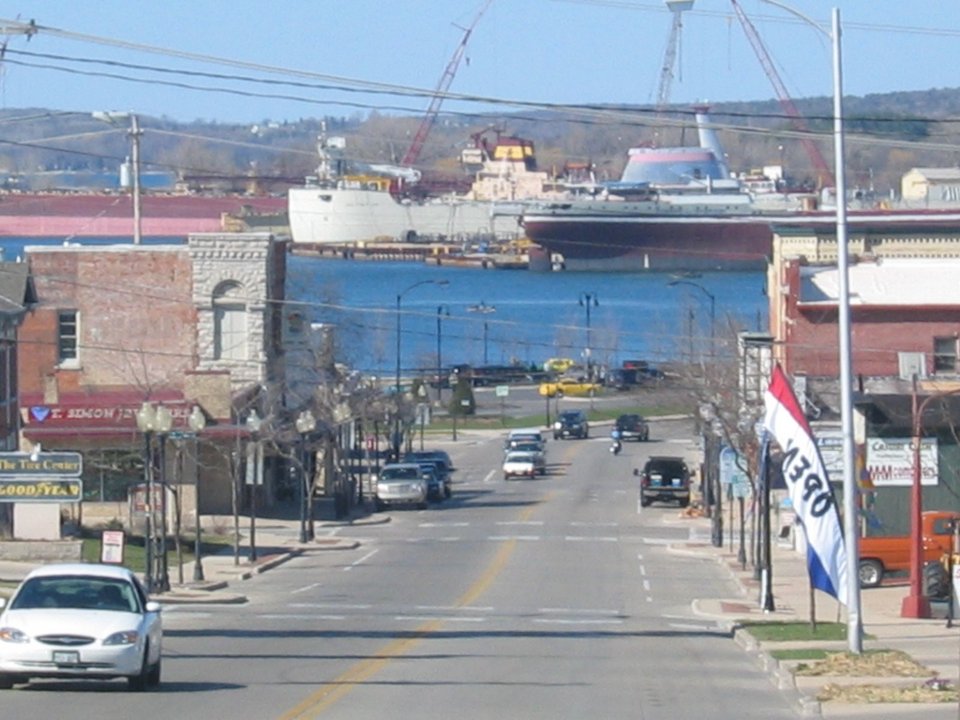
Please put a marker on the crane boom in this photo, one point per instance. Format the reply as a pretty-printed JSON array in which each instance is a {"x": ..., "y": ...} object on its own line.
[
  {"x": 413, "y": 152},
  {"x": 796, "y": 119},
  {"x": 676, "y": 7}
]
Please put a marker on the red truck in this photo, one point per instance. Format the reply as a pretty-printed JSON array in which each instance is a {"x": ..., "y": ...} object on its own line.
[{"x": 886, "y": 554}]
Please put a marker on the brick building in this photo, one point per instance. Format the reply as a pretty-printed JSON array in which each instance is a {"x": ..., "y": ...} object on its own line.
[
  {"x": 904, "y": 304},
  {"x": 178, "y": 326}
]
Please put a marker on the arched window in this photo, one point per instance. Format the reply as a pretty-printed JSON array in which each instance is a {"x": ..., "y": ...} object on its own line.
[{"x": 229, "y": 322}]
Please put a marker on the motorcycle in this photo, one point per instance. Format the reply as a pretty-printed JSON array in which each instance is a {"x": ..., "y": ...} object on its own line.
[{"x": 616, "y": 446}]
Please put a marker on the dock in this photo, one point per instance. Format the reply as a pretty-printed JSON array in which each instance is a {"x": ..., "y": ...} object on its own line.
[{"x": 443, "y": 254}]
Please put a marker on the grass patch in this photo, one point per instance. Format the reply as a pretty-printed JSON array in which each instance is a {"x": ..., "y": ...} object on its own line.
[
  {"x": 135, "y": 554},
  {"x": 444, "y": 423},
  {"x": 799, "y": 654},
  {"x": 794, "y": 631}
]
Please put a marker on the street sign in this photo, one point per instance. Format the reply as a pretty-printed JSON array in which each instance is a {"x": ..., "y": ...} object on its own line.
[
  {"x": 66, "y": 464},
  {"x": 732, "y": 475},
  {"x": 502, "y": 391},
  {"x": 38, "y": 490}
]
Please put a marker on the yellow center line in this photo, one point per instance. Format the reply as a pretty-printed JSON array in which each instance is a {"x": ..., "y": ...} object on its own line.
[{"x": 330, "y": 693}]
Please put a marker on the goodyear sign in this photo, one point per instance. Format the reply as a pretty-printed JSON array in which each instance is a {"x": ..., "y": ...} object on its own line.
[
  {"x": 47, "y": 490},
  {"x": 42, "y": 477}
]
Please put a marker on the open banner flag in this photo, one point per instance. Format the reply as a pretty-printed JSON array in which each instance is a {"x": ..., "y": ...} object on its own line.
[{"x": 809, "y": 486}]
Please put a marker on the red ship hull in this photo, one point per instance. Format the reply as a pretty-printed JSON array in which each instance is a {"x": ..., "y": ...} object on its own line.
[{"x": 92, "y": 215}]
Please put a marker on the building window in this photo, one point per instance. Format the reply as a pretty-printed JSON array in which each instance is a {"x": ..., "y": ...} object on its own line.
[
  {"x": 67, "y": 337},
  {"x": 945, "y": 354},
  {"x": 229, "y": 323}
]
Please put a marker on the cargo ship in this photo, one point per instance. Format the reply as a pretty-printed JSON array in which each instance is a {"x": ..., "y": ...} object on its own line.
[
  {"x": 341, "y": 206},
  {"x": 104, "y": 214},
  {"x": 680, "y": 209}
]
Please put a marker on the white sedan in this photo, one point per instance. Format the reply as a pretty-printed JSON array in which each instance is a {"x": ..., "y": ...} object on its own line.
[
  {"x": 80, "y": 621},
  {"x": 519, "y": 463}
]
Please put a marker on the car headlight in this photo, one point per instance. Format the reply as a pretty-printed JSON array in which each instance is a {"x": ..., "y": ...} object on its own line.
[
  {"x": 557, "y": 425},
  {"x": 125, "y": 637},
  {"x": 9, "y": 634}
]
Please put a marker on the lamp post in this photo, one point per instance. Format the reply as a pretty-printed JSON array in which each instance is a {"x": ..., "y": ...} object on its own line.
[
  {"x": 850, "y": 490},
  {"x": 197, "y": 422},
  {"x": 306, "y": 424},
  {"x": 713, "y": 307},
  {"x": 151, "y": 421},
  {"x": 588, "y": 299},
  {"x": 442, "y": 310},
  {"x": 135, "y": 132},
  {"x": 485, "y": 310},
  {"x": 396, "y": 434},
  {"x": 254, "y": 472}
]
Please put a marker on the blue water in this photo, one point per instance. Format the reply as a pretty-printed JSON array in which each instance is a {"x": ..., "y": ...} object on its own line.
[{"x": 536, "y": 315}]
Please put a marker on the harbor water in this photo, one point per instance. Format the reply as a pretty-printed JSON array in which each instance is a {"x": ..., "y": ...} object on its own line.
[{"x": 498, "y": 317}]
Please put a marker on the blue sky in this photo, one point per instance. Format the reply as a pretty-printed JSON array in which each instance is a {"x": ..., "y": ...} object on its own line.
[{"x": 534, "y": 51}]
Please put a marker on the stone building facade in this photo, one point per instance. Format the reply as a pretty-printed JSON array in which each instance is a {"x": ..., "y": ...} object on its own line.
[{"x": 180, "y": 326}]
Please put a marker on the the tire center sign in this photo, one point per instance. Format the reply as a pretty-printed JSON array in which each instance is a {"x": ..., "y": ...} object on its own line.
[{"x": 42, "y": 477}]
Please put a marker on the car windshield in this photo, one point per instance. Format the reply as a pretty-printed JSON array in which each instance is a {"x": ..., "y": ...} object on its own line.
[
  {"x": 673, "y": 468},
  {"x": 79, "y": 593},
  {"x": 520, "y": 457},
  {"x": 404, "y": 473}
]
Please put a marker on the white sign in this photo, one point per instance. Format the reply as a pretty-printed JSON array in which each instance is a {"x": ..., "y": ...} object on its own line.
[
  {"x": 956, "y": 590},
  {"x": 502, "y": 391},
  {"x": 890, "y": 461},
  {"x": 111, "y": 547},
  {"x": 731, "y": 474}
]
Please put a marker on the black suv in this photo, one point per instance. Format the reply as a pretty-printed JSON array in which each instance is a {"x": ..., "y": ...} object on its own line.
[
  {"x": 571, "y": 423},
  {"x": 666, "y": 479},
  {"x": 632, "y": 427}
]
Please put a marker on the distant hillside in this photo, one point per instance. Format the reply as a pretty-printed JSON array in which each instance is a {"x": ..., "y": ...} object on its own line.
[{"x": 886, "y": 136}]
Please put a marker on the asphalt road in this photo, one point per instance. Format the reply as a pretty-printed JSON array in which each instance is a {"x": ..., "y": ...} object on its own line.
[{"x": 549, "y": 598}]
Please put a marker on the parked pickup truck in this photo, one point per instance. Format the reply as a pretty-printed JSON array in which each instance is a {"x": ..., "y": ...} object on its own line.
[{"x": 886, "y": 554}]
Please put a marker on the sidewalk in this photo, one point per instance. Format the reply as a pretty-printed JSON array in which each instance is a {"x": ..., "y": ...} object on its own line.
[{"x": 928, "y": 641}]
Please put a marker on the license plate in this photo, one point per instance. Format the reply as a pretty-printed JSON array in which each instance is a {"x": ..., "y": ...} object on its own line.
[{"x": 66, "y": 657}]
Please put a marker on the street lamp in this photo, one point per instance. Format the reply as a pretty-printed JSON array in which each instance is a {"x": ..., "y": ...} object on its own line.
[
  {"x": 254, "y": 470},
  {"x": 442, "y": 310},
  {"x": 396, "y": 437},
  {"x": 135, "y": 132},
  {"x": 713, "y": 307},
  {"x": 850, "y": 491},
  {"x": 483, "y": 309},
  {"x": 588, "y": 299},
  {"x": 197, "y": 422},
  {"x": 153, "y": 420},
  {"x": 306, "y": 424}
]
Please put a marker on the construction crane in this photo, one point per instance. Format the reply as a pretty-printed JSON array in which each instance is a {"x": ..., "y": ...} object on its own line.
[
  {"x": 796, "y": 119},
  {"x": 677, "y": 7},
  {"x": 413, "y": 152}
]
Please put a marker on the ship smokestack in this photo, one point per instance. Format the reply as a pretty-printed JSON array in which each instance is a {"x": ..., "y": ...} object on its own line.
[{"x": 708, "y": 137}]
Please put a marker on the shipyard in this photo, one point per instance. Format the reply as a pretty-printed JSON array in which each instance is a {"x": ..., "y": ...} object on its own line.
[{"x": 417, "y": 358}]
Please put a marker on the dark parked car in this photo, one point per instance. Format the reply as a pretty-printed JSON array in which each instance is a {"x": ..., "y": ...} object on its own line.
[
  {"x": 442, "y": 464},
  {"x": 666, "y": 479},
  {"x": 571, "y": 423},
  {"x": 632, "y": 427}
]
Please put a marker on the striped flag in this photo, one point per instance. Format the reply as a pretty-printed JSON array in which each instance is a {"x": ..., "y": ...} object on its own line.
[{"x": 809, "y": 486}]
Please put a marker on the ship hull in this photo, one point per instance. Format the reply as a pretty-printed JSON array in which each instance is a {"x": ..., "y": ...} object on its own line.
[
  {"x": 342, "y": 216},
  {"x": 628, "y": 240},
  {"x": 105, "y": 215}
]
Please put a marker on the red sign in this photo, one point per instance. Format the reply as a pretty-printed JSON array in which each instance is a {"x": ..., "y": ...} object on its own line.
[{"x": 97, "y": 415}]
